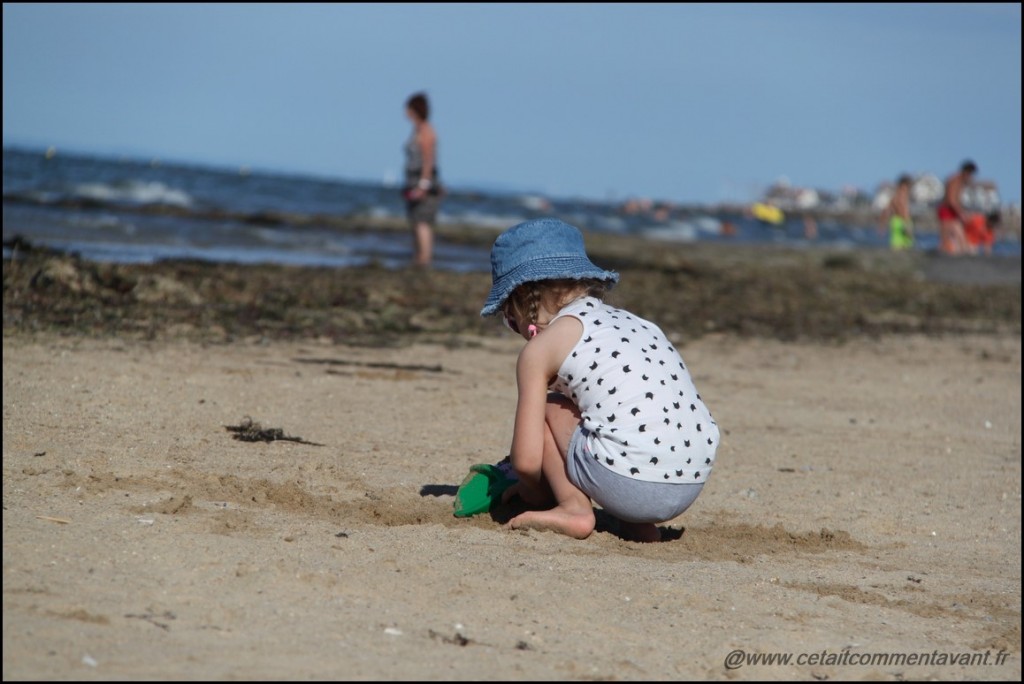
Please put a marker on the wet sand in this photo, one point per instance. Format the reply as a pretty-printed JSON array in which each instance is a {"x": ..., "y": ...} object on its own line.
[{"x": 865, "y": 500}]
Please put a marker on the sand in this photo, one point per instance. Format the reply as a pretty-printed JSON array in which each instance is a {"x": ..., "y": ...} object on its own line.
[
  {"x": 863, "y": 519},
  {"x": 865, "y": 500}
]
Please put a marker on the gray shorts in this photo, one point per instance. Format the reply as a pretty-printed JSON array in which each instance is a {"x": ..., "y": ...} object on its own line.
[
  {"x": 623, "y": 497},
  {"x": 424, "y": 210}
]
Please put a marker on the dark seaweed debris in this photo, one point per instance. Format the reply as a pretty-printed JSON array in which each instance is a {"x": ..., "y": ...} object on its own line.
[
  {"x": 250, "y": 431},
  {"x": 689, "y": 290}
]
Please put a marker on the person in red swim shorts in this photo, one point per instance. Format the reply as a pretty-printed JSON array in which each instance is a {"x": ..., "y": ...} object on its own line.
[{"x": 952, "y": 239}]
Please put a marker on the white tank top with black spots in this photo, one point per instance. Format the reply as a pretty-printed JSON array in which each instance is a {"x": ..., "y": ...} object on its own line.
[{"x": 643, "y": 416}]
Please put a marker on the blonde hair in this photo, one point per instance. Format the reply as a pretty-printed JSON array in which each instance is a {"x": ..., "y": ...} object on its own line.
[{"x": 527, "y": 299}]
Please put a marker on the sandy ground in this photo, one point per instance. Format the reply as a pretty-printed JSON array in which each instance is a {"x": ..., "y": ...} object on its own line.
[{"x": 865, "y": 505}]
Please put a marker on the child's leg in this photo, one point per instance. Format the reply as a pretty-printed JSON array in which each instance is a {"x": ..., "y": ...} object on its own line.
[
  {"x": 961, "y": 239},
  {"x": 573, "y": 514}
]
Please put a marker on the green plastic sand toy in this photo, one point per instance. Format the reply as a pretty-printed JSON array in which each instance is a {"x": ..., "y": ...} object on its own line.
[{"x": 483, "y": 487}]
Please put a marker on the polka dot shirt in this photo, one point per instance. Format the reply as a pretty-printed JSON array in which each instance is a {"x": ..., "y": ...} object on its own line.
[{"x": 643, "y": 416}]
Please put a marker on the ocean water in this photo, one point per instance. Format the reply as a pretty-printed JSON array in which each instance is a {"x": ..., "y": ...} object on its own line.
[{"x": 132, "y": 211}]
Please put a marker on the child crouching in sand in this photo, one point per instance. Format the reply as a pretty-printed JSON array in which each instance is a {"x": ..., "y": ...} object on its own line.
[{"x": 607, "y": 410}]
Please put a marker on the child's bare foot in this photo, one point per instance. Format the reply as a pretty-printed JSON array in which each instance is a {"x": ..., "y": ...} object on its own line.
[
  {"x": 640, "y": 532},
  {"x": 577, "y": 524}
]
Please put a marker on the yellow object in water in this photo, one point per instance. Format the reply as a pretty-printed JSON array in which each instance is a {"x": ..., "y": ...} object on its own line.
[{"x": 767, "y": 213}]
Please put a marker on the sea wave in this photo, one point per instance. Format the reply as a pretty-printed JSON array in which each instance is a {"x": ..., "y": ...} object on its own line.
[
  {"x": 132, "y": 192},
  {"x": 82, "y": 201}
]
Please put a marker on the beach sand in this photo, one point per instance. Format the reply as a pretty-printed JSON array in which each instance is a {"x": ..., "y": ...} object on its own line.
[{"x": 864, "y": 510}]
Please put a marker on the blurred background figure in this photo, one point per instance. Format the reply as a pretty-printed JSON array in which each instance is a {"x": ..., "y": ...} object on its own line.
[
  {"x": 810, "y": 228},
  {"x": 422, "y": 190},
  {"x": 951, "y": 213},
  {"x": 980, "y": 231},
  {"x": 896, "y": 216}
]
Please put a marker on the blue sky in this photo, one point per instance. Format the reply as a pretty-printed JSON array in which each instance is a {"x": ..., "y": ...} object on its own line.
[{"x": 683, "y": 102}]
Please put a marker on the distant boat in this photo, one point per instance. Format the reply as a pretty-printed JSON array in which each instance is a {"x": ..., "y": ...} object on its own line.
[{"x": 766, "y": 213}]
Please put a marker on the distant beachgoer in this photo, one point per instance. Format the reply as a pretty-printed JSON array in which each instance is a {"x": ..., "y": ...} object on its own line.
[
  {"x": 951, "y": 213},
  {"x": 980, "y": 231},
  {"x": 422, "y": 190},
  {"x": 897, "y": 214},
  {"x": 810, "y": 228},
  {"x": 607, "y": 410}
]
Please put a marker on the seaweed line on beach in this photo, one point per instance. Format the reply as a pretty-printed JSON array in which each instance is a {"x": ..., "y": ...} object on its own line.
[
  {"x": 436, "y": 368},
  {"x": 692, "y": 290}
]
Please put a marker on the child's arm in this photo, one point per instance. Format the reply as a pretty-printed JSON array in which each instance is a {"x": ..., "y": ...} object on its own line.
[
  {"x": 528, "y": 436},
  {"x": 538, "y": 364}
]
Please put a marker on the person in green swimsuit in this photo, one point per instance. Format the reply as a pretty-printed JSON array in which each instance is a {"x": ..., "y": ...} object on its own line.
[{"x": 897, "y": 214}]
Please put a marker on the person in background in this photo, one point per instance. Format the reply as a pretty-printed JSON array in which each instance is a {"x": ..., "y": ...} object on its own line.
[
  {"x": 897, "y": 215},
  {"x": 422, "y": 190},
  {"x": 810, "y": 227},
  {"x": 951, "y": 213},
  {"x": 980, "y": 231}
]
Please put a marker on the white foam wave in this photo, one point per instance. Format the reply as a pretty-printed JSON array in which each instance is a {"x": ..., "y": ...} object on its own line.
[
  {"x": 677, "y": 231},
  {"x": 609, "y": 224},
  {"x": 486, "y": 220},
  {"x": 135, "y": 192},
  {"x": 708, "y": 224}
]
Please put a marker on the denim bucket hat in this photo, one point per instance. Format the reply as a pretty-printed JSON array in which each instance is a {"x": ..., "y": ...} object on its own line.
[{"x": 541, "y": 249}]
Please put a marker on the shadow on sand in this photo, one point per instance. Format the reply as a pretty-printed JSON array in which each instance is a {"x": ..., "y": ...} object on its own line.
[{"x": 502, "y": 513}]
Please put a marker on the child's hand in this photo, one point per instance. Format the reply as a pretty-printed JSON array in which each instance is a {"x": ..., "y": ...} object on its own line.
[
  {"x": 530, "y": 496},
  {"x": 512, "y": 491}
]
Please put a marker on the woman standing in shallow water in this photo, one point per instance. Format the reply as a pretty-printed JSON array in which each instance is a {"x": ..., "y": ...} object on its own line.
[{"x": 422, "y": 190}]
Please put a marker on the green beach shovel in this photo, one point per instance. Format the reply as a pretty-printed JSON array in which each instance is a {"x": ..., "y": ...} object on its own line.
[{"x": 482, "y": 488}]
